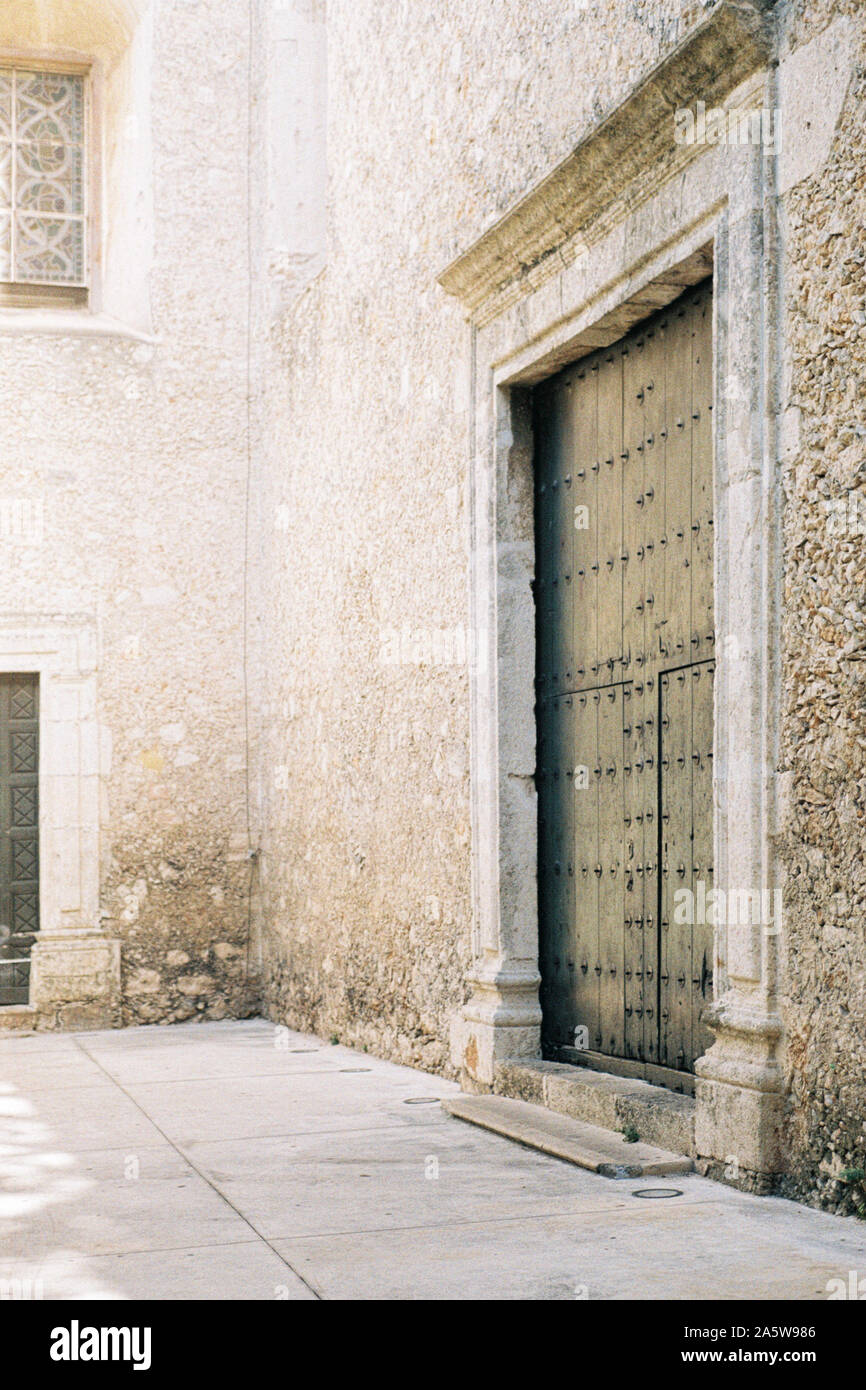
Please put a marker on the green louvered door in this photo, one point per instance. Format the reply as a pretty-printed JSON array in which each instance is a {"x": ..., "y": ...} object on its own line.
[
  {"x": 19, "y": 832},
  {"x": 625, "y": 647}
]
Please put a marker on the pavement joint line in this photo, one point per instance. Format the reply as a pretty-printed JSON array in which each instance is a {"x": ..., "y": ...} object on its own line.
[
  {"x": 213, "y": 1186},
  {"x": 528, "y": 1219},
  {"x": 157, "y": 1147},
  {"x": 143, "y": 1250},
  {"x": 398, "y": 1127},
  {"x": 257, "y": 1076},
  {"x": 97, "y": 1086},
  {"x": 447, "y": 1224},
  {"x": 242, "y": 1076},
  {"x": 21, "y": 1086}
]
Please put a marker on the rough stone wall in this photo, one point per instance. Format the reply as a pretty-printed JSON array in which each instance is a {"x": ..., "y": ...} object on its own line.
[
  {"x": 363, "y": 748},
  {"x": 138, "y": 450},
  {"x": 824, "y": 642},
  {"x": 439, "y": 117},
  {"x": 179, "y": 878}
]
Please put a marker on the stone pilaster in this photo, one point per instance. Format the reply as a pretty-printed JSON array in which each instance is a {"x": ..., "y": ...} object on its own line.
[
  {"x": 740, "y": 1093},
  {"x": 501, "y": 1020},
  {"x": 75, "y": 979}
]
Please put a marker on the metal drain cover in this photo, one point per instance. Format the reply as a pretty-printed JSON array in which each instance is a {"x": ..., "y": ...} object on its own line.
[
  {"x": 657, "y": 1192},
  {"x": 421, "y": 1100}
]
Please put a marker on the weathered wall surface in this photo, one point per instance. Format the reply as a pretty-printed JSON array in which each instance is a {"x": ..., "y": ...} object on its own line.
[
  {"x": 137, "y": 445},
  {"x": 137, "y": 451},
  {"x": 438, "y": 118},
  {"x": 362, "y": 712},
  {"x": 824, "y": 634}
]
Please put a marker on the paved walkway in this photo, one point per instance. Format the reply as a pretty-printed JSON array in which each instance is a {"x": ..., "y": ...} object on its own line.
[{"x": 242, "y": 1161}]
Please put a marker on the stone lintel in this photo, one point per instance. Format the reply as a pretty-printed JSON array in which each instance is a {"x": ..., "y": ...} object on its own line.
[{"x": 717, "y": 56}]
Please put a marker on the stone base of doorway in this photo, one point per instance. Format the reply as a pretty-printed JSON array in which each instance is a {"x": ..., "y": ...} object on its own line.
[
  {"x": 74, "y": 984},
  {"x": 588, "y": 1146},
  {"x": 18, "y": 1018},
  {"x": 661, "y": 1117}
]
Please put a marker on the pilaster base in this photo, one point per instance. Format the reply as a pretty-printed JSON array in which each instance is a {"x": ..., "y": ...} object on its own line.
[
  {"x": 501, "y": 1020},
  {"x": 740, "y": 1098},
  {"x": 75, "y": 979}
]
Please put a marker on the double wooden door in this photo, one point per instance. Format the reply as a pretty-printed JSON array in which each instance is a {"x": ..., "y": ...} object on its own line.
[{"x": 624, "y": 692}]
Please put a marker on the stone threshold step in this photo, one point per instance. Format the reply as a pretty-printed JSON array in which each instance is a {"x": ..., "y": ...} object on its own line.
[
  {"x": 599, "y": 1150},
  {"x": 661, "y": 1117},
  {"x": 17, "y": 1018}
]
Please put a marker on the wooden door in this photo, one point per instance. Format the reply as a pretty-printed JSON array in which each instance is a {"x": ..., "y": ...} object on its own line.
[{"x": 625, "y": 658}]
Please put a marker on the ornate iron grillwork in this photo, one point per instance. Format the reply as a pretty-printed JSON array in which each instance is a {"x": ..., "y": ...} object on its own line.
[{"x": 42, "y": 184}]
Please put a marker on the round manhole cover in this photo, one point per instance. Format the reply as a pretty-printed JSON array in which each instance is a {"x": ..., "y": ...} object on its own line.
[
  {"x": 657, "y": 1192},
  {"x": 421, "y": 1100}
]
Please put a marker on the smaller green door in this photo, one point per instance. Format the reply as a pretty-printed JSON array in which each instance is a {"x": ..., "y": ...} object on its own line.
[{"x": 19, "y": 833}]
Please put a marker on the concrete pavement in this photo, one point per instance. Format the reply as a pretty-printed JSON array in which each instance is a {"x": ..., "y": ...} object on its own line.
[{"x": 245, "y": 1161}]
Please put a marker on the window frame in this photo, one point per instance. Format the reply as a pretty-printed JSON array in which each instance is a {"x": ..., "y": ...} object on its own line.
[{"x": 24, "y": 294}]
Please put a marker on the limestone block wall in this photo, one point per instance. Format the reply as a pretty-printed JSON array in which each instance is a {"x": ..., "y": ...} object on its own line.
[{"x": 128, "y": 428}]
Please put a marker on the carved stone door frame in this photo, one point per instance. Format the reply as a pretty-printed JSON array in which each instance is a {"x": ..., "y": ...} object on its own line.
[
  {"x": 75, "y": 965},
  {"x": 615, "y": 232}
]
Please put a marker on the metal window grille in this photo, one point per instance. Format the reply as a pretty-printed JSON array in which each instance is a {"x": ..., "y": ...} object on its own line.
[{"x": 43, "y": 195}]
